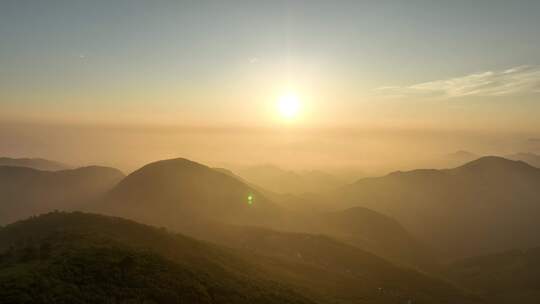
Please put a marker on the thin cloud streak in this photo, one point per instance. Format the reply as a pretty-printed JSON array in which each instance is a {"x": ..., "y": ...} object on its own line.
[{"x": 513, "y": 81}]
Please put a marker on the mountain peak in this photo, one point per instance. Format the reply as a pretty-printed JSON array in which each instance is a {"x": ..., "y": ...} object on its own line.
[
  {"x": 164, "y": 191},
  {"x": 494, "y": 162},
  {"x": 173, "y": 162},
  {"x": 166, "y": 175},
  {"x": 462, "y": 154}
]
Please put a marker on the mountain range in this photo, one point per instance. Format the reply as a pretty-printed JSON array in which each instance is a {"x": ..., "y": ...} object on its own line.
[
  {"x": 379, "y": 240},
  {"x": 487, "y": 205},
  {"x": 187, "y": 196}
]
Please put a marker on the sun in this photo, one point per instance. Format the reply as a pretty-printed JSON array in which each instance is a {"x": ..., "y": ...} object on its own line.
[{"x": 288, "y": 105}]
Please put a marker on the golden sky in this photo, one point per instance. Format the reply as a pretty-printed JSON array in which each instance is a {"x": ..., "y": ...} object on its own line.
[{"x": 456, "y": 67}]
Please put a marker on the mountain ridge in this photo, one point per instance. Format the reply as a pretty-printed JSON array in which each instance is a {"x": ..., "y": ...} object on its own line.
[
  {"x": 35, "y": 163},
  {"x": 187, "y": 196},
  {"x": 439, "y": 206}
]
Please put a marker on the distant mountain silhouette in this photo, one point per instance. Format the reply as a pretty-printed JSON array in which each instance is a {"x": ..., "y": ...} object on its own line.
[
  {"x": 89, "y": 257},
  {"x": 283, "y": 181},
  {"x": 503, "y": 278},
  {"x": 488, "y": 205},
  {"x": 530, "y": 158},
  {"x": 25, "y": 191},
  {"x": 34, "y": 163},
  {"x": 298, "y": 202}
]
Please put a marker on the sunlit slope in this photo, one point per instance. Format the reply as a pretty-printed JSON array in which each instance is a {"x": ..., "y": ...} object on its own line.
[
  {"x": 487, "y": 205},
  {"x": 26, "y": 191},
  {"x": 83, "y": 256}
]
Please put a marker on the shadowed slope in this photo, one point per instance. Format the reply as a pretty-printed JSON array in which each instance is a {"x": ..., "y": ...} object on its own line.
[
  {"x": 509, "y": 277},
  {"x": 379, "y": 234}
]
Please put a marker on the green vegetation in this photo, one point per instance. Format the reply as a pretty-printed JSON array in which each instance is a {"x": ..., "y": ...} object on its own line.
[
  {"x": 103, "y": 275},
  {"x": 84, "y": 258},
  {"x": 78, "y": 258}
]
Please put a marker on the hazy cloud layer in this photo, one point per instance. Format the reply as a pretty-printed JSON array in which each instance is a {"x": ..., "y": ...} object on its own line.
[{"x": 514, "y": 81}]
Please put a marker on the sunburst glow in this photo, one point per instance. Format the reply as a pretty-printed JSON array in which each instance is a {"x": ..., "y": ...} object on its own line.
[{"x": 288, "y": 105}]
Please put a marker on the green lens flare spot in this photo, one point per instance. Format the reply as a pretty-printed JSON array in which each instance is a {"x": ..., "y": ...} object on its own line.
[{"x": 250, "y": 199}]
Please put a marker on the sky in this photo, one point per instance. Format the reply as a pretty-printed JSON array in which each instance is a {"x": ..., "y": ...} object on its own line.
[{"x": 408, "y": 66}]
